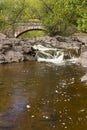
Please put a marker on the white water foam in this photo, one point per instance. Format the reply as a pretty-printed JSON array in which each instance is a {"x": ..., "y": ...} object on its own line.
[
  {"x": 56, "y": 58},
  {"x": 42, "y": 48}
]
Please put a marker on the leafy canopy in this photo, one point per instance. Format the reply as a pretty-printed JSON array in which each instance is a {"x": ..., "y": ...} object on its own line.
[{"x": 55, "y": 15}]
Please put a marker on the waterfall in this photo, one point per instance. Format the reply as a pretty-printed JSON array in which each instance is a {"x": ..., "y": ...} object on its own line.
[
  {"x": 49, "y": 58},
  {"x": 54, "y": 55},
  {"x": 42, "y": 48}
]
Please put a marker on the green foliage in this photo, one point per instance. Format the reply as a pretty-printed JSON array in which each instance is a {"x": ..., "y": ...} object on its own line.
[
  {"x": 14, "y": 11},
  {"x": 82, "y": 20},
  {"x": 51, "y": 19},
  {"x": 10, "y": 13},
  {"x": 56, "y": 15}
]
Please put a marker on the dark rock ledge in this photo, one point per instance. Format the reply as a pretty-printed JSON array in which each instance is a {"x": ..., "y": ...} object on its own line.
[
  {"x": 18, "y": 50},
  {"x": 15, "y": 50}
]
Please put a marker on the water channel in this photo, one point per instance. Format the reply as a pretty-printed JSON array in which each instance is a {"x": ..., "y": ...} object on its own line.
[{"x": 42, "y": 96}]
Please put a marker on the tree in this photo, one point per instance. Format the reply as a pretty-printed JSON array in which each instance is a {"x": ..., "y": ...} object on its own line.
[
  {"x": 55, "y": 15},
  {"x": 82, "y": 12},
  {"x": 58, "y": 15},
  {"x": 11, "y": 13}
]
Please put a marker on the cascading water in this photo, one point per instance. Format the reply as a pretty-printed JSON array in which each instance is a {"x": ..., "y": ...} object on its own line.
[
  {"x": 54, "y": 55},
  {"x": 58, "y": 59}
]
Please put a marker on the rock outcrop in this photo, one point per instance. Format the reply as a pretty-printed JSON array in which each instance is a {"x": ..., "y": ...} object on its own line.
[
  {"x": 17, "y": 50},
  {"x": 83, "y": 49}
]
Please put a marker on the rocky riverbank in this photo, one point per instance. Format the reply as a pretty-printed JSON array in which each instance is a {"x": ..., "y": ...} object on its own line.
[{"x": 18, "y": 50}]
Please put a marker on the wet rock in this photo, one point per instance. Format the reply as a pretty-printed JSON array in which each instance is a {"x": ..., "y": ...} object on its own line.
[
  {"x": 12, "y": 56},
  {"x": 2, "y": 36},
  {"x": 29, "y": 58},
  {"x": 61, "y": 39},
  {"x": 83, "y": 59},
  {"x": 17, "y": 50},
  {"x": 2, "y": 59},
  {"x": 26, "y": 48},
  {"x": 84, "y": 78},
  {"x": 82, "y": 38}
]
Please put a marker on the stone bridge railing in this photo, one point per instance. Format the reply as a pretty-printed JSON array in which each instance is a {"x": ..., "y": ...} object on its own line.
[{"x": 25, "y": 27}]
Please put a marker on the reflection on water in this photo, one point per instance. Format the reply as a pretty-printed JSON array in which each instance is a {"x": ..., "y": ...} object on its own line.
[{"x": 42, "y": 96}]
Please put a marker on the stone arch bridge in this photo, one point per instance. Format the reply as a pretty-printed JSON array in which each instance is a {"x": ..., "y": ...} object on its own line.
[{"x": 25, "y": 27}]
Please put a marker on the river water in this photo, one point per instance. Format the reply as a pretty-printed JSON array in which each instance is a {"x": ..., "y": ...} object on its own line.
[{"x": 42, "y": 96}]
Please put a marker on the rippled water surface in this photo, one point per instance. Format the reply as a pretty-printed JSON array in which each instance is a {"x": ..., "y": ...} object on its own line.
[{"x": 42, "y": 96}]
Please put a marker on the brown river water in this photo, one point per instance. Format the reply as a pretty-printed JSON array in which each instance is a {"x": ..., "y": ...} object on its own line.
[{"x": 42, "y": 96}]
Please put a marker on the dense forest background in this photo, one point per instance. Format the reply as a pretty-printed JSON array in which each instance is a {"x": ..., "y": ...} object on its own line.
[{"x": 57, "y": 16}]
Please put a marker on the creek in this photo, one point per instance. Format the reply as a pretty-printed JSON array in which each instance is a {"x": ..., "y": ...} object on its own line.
[{"x": 43, "y": 95}]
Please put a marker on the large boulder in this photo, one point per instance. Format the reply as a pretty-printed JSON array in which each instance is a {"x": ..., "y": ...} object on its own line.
[
  {"x": 84, "y": 78},
  {"x": 26, "y": 48},
  {"x": 2, "y": 36},
  {"x": 83, "y": 55},
  {"x": 83, "y": 59},
  {"x": 82, "y": 39},
  {"x": 15, "y": 50},
  {"x": 12, "y": 56},
  {"x": 2, "y": 59}
]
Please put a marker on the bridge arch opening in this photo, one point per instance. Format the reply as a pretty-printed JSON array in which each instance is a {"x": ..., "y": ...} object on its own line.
[{"x": 31, "y": 33}]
